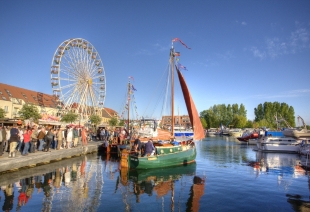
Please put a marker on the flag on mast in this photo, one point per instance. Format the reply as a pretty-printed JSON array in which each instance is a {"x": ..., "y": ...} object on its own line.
[{"x": 177, "y": 39}]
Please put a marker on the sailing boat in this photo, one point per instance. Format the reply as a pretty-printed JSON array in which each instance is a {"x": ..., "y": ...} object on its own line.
[{"x": 168, "y": 152}]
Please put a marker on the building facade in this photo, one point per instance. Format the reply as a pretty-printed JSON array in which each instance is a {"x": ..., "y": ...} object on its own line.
[
  {"x": 180, "y": 121},
  {"x": 13, "y": 98}
]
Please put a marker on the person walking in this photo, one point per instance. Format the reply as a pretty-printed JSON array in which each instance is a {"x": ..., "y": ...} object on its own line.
[
  {"x": 41, "y": 136},
  {"x": 13, "y": 140},
  {"x": 34, "y": 139},
  {"x": 27, "y": 137}
]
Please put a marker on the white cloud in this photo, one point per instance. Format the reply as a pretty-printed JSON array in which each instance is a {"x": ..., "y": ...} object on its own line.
[
  {"x": 299, "y": 39},
  {"x": 274, "y": 47},
  {"x": 288, "y": 94},
  {"x": 226, "y": 55},
  {"x": 244, "y": 23},
  {"x": 257, "y": 53},
  {"x": 159, "y": 47}
]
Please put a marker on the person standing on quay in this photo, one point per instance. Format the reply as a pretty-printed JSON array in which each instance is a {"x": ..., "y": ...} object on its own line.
[
  {"x": 41, "y": 138},
  {"x": 8, "y": 135},
  {"x": 75, "y": 136},
  {"x": 84, "y": 141},
  {"x": 27, "y": 135},
  {"x": 59, "y": 138},
  {"x": 13, "y": 140},
  {"x": 69, "y": 137},
  {"x": 34, "y": 139},
  {"x": 49, "y": 138},
  {"x": 20, "y": 140},
  {"x": 1, "y": 142}
]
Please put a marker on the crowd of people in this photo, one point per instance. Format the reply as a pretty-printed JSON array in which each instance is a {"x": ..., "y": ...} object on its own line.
[{"x": 39, "y": 138}]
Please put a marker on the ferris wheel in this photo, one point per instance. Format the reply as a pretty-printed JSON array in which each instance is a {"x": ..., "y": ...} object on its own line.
[{"x": 78, "y": 78}]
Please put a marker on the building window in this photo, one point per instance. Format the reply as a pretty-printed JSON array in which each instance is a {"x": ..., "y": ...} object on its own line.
[
  {"x": 3, "y": 97},
  {"x": 8, "y": 92},
  {"x": 6, "y": 109}
]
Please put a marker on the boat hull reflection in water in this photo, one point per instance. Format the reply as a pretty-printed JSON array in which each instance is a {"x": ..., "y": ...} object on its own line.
[{"x": 162, "y": 182}]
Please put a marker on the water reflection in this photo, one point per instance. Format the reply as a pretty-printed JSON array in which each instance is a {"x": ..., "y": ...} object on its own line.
[
  {"x": 277, "y": 163},
  {"x": 64, "y": 185},
  {"x": 237, "y": 175},
  {"x": 76, "y": 184},
  {"x": 164, "y": 183}
]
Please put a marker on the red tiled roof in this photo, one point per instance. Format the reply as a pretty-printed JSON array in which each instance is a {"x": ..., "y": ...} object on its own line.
[
  {"x": 110, "y": 111},
  {"x": 37, "y": 98},
  {"x": 34, "y": 97}
]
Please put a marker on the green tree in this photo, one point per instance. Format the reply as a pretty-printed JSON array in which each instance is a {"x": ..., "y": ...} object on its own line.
[
  {"x": 235, "y": 109},
  {"x": 69, "y": 117},
  {"x": 2, "y": 113},
  {"x": 266, "y": 113},
  {"x": 220, "y": 114},
  {"x": 249, "y": 124},
  {"x": 229, "y": 112},
  {"x": 239, "y": 121},
  {"x": 95, "y": 119},
  {"x": 203, "y": 122},
  {"x": 259, "y": 113},
  {"x": 242, "y": 111},
  {"x": 113, "y": 121},
  {"x": 121, "y": 123},
  {"x": 29, "y": 111}
]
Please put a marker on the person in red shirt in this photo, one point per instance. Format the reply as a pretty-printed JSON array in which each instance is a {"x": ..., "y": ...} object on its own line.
[{"x": 27, "y": 135}]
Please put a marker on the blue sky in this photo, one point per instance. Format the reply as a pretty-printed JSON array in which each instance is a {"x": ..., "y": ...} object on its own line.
[{"x": 245, "y": 52}]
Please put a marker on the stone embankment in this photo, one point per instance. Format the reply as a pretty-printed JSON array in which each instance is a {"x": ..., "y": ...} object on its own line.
[{"x": 40, "y": 158}]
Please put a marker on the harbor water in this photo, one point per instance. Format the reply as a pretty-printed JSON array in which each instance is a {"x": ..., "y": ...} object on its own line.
[{"x": 227, "y": 176}]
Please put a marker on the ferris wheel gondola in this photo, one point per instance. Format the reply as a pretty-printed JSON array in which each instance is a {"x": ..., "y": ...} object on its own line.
[{"x": 78, "y": 78}]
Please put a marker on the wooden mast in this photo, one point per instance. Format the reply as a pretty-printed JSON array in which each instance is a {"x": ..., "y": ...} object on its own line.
[
  {"x": 128, "y": 97},
  {"x": 172, "y": 89}
]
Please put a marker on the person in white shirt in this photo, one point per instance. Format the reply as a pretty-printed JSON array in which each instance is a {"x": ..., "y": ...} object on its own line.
[{"x": 69, "y": 137}]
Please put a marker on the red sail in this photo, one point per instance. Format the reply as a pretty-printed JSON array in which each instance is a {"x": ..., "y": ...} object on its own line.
[{"x": 191, "y": 109}]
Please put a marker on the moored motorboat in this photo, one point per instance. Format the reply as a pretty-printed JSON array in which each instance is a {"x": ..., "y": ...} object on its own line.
[
  {"x": 297, "y": 132},
  {"x": 280, "y": 143},
  {"x": 236, "y": 132},
  {"x": 248, "y": 135},
  {"x": 212, "y": 132}
]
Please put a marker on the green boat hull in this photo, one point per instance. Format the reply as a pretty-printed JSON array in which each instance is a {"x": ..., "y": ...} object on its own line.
[
  {"x": 162, "y": 174},
  {"x": 165, "y": 157}
]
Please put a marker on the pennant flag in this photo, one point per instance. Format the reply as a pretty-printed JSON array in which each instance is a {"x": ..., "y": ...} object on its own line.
[
  {"x": 131, "y": 78},
  {"x": 182, "y": 67},
  {"x": 176, "y": 53},
  {"x": 133, "y": 88},
  {"x": 177, "y": 39}
]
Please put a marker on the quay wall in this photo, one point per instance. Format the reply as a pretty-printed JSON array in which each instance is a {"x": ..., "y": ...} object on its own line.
[{"x": 40, "y": 158}]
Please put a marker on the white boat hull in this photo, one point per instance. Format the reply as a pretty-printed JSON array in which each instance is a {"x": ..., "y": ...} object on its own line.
[{"x": 278, "y": 144}]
